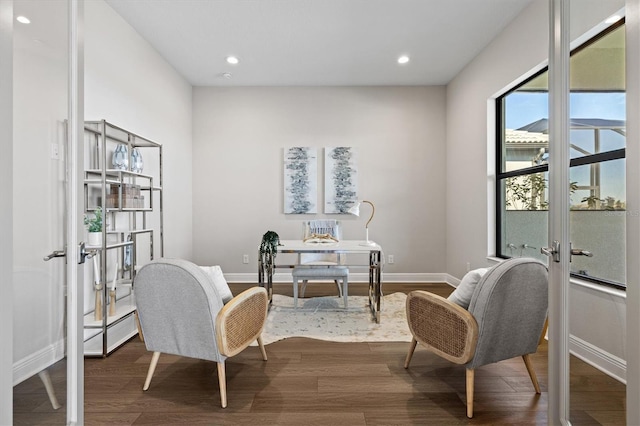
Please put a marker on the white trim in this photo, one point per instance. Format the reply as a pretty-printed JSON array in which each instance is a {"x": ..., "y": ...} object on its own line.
[
  {"x": 599, "y": 288},
  {"x": 453, "y": 281},
  {"x": 494, "y": 259},
  {"x": 491, "y": 176},
  {"x": 582, "y": 283},
  {"x": 6, "y": 213},
  {"x": 559, "y": 156},
  {"x": 285, "y": 277},
  {"x": 632, "y": 341},
  {"x": 37, "y": 361},
  {"x": 609, "y": 364},
  {"x": 592, "y": 355},
  {"x": 74, "y": 211}
]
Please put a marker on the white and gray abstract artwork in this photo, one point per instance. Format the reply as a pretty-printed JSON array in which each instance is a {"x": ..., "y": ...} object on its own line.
[
  {"x": 300, "y": 180},
  {"x": 340, "y": 179}
]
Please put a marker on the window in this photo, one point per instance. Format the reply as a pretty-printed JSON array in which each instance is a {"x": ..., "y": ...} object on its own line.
[{"x": 598, "y": 140}]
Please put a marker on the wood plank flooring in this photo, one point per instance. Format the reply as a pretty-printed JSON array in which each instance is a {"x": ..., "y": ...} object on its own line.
[{"x": 309, "y": 382}]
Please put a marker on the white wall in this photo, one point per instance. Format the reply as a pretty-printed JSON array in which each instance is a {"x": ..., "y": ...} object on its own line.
[
  {"x": 129, "y": 84},
  {"x": 239, "y": 136},
  {"x": 126, "y": 82},
  {"x": 521, "y": 49}
]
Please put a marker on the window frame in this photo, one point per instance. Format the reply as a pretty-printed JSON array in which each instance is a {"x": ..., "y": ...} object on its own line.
[{"x": 501, "y": 175}]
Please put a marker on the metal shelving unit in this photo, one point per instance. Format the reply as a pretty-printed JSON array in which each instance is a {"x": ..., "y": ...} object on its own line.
[{"x": 132, "y": 231}]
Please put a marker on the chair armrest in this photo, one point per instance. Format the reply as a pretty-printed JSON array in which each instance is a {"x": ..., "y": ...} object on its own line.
[
  {"x": 241, "y": 321},
  {"x": 445, "y": 328}
]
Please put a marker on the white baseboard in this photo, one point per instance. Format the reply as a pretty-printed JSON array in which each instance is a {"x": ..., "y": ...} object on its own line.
[
  {"x": 38, "y": 361},
  {"x": 609, "y": 364},
  {"x": 598, "y": 358},
  {"x": 354, "y": 277}
]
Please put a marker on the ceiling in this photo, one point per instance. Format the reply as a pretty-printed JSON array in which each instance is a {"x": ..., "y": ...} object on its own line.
[{"x": 318, "y": 42}]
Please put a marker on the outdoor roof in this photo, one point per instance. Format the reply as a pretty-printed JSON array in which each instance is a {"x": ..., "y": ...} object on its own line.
[
  {"x": 524, "y": 139},
  {"x": 542, "y": 125}
]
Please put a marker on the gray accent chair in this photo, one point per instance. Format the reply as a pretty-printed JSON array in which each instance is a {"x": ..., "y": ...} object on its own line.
[
  {"x": 506, "y": 319},
  {"x": 181, "y": 313}
]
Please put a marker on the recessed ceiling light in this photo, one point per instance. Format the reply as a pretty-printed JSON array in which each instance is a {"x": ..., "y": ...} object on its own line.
[
  {"x": 232, "y": 60},
  {"x": 23, "y": 19},
  {"x": 403, "y": 59},
  {"x": 612, "y": 19}
]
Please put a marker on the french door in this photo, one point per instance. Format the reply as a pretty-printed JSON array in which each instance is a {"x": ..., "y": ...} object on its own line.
[
  {"x": 558, "y": 246},
  {"x": 559, "y": 183},
  {"x": 45, "y": 118}
]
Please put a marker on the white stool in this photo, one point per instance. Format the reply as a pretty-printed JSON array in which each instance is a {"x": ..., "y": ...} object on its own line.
[{"x": 318, "y": 272}]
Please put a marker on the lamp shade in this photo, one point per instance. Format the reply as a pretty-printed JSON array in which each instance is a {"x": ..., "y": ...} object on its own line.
[{"x": 355, "y": 209}]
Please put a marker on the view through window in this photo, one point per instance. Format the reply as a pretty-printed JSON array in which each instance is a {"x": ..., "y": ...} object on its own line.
[{"x": 597, "y": 139}]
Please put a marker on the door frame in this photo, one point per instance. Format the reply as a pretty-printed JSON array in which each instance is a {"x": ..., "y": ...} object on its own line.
[
  {"x": 6, "y": 213},
  {"x": 75, "y": 210},
  {"x": 75, "y": 338},
  {"x": 632, "y": 11},
  {"x": 558, "y": 369},
  {"x": 559, "y": 157}
]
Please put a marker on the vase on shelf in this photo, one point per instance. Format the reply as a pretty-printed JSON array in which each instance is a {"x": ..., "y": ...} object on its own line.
[
  {"x": 136, "y": 161},
  {"x": 120, "y": 159},
  {"x": 127, "y": 255},
  {"x": 94, "y": 239}
]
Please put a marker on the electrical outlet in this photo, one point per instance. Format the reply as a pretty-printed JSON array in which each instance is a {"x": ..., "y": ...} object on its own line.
[
  {"x": 391, "y": 259},
  {"x": 245, "y": 258},
  {"x": 55, "y": 152}
]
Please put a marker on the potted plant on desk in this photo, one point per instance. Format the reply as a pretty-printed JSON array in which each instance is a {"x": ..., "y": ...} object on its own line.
[
  {"x": 269, "y": 247},
  {"x": 94, "y": 226}
]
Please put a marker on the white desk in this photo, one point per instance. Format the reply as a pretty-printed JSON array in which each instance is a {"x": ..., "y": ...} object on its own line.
[{"x": 374, "y": 252}]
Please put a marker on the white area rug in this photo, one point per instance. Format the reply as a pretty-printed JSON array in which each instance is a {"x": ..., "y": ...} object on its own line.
[{"x": 325, "y": 318}]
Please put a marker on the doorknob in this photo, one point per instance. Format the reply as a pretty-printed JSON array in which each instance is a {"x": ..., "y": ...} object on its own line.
[
  {"x": 55, "y": 253},
  {"x": 580, "y": 252},
  {"x": 84, "y": 253},
  {"x": 553, "y": 251}
]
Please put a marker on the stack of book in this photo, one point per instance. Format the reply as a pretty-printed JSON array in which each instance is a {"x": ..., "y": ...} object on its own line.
[{"x": 131, "y": 198}]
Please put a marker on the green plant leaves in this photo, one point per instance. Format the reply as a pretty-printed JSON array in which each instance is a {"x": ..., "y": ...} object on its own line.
[{"x": 94, "y": 224}]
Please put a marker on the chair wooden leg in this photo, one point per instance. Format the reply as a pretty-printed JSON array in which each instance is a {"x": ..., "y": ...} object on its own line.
[
  {"x": 152, "y": 368},
  {"x": 138, "y": 326},
  {"x": 48, "y": 385},
  {"x": 532, "y": 373},
  {"x": 412, "y": 348},
  {"x": 470, "y": 379},
  {"x": 262, "y": 349},
  {"x": 222, "y": 380},
  {"x": 544, "y": 331}
]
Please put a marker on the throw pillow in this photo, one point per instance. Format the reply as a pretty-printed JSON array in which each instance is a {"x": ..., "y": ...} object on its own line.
[
  {"x": 215, "y": 273},
  {"x": 462, "y": 294}
]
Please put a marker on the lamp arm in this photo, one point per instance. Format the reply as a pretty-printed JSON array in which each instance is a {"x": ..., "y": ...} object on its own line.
[{"x": 373, "y": 210}]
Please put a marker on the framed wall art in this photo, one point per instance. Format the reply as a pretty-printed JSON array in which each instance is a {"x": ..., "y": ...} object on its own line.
[
  {"x": 340, "y": 179},
  {"x": 300, "y": 180}
]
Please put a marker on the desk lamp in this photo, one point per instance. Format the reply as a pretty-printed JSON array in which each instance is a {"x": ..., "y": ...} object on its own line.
[{"x": 355, "y": 210}]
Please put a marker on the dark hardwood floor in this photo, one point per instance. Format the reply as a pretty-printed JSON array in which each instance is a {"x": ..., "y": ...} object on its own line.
[{"x": 309, "y": 382}]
